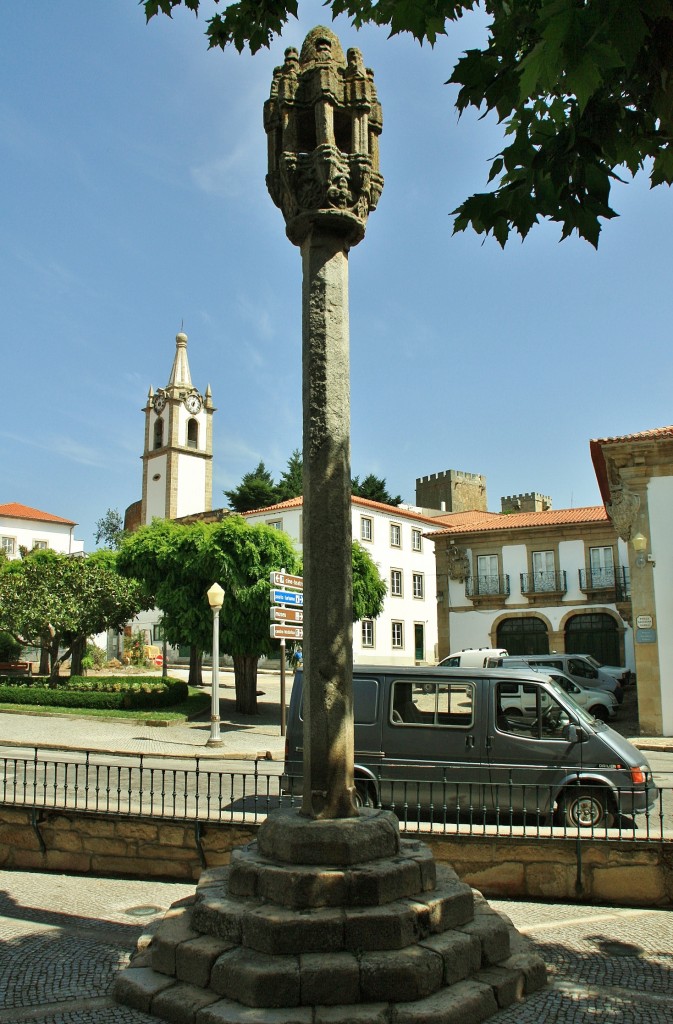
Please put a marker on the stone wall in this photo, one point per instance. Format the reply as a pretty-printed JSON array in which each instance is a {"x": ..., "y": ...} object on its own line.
[{"x": 622, "y": 873}]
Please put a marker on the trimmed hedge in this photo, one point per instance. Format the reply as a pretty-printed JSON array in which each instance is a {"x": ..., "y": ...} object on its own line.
[{"x": 111, "y": 693}]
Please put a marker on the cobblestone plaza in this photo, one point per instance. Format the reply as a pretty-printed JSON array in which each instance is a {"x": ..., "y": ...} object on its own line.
[{"x": 64, "y": 938}]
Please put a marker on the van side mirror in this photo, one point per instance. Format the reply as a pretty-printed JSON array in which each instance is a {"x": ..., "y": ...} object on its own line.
[{"x": 574, "y": 733}]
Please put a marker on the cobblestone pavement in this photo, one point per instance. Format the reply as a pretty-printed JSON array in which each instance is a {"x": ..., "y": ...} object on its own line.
[{"x": 65, "y": 937}]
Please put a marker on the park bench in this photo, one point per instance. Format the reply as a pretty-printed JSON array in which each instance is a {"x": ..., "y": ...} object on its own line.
[{"x": 16, "y": 668}]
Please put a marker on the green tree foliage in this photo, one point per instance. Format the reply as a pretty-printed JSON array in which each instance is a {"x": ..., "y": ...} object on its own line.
[
  {"x": 256, "y": 490},
  {"x": 110, "y": 530},
  {"x": 374, "y": 488},
  {"x": 55, "y": 600},
  {"x": 291, "y": 483},
  {"x": 369, "y": 590},
  {"x": 584, "y": 89},
  {"x": 178, "y": 564}
]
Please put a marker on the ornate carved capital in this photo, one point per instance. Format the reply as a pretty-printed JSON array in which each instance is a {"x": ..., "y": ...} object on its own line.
[
  {"x": 323, "y": 120},
  {"x": 623, "y": 510},
  {"x": 459, "y": 563}
]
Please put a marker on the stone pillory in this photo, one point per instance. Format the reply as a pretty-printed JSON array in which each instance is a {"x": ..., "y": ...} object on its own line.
[{"x": 323, "y": 121}]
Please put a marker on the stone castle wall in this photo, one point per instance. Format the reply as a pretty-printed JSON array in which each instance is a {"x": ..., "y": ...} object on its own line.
[
  {"x": 460, "y": 492},
  {"x": 618, "y": 872}
]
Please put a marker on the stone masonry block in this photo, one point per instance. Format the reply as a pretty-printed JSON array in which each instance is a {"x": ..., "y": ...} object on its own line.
[
  {"x": 180, "y": 1003},
  {"x": 329, "y": 979},
  {"x": 400, "y": 975},
  {"x": 137, "y": 986},
  {"x": 196, "y": 958},
  {"x": 305, "y": 886},
  {"x": 257, "y": 979},
  {"x": 468, "y": 1001},
  {"x": 525, "y": 958},
  {"x": 392, "y": 926},
  {"x": 460, "y": 953},
  {"x": 273, "y": 929},
  {"x": 423, "y": 855},
  {"x": 226, "y": 1011},
  {"x": 493, "y": 935},
  {"x": 213, "y": 877},
  {"x": 508, "y": 984},
  {"x": 287, "y": 836},
  {"x": 450, "y": 904},
  {"x": 171, "y": 933},
  {"x": 365, "y": 1013},
  {"x": 221, "y": 916},
  {"x": 383, "y": 881}
]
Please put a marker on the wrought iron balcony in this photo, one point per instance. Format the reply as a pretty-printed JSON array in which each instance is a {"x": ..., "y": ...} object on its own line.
[
  {"x": 550, "y": 582},
  {"x": 608, "y": 581},
  {"x": 487, "y": 586}
]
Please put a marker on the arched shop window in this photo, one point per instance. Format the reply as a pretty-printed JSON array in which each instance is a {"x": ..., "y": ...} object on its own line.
[
  {"x": 594, "y": 633},
  {"x": 523, "y": 636}
]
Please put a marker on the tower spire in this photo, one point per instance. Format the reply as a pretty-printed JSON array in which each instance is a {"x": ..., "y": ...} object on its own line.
[{"x": 180, "y": 373}]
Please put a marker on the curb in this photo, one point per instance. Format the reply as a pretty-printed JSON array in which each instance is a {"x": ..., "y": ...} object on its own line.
[{"x": 199, "y": 753}]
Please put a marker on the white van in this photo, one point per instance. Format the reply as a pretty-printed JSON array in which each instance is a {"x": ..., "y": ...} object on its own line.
[{"x": 475, "y": 657}]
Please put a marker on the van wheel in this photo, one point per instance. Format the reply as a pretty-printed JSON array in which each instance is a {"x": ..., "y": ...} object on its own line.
[
  {"x": 364, "y": 795},
  {"x": 599, "y": 712},
  {"x": 586, "y": 808}
]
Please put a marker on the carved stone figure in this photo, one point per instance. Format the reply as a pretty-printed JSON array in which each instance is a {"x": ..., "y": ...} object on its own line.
[
  {"x": 623, "y": 510},
  {"x": 459, "y": 563}
]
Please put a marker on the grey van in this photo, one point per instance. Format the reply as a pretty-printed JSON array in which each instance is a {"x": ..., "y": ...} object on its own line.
[
  {"x": 580, "y": 667},
  {"x": 440, "y": 740}
]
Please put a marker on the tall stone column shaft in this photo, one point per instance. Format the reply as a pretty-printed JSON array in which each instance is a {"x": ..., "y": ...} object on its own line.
[{"x": 328, "y": 584}]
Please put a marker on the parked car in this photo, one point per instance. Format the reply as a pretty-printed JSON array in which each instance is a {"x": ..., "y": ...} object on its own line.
[
  {"x": 619, "y": 672},
  {"x": 577, "y": 666},
  {"x": 438, "y": 738},
  {"x": 600, "y": 703},
  {"x": 475, "y": 657}
]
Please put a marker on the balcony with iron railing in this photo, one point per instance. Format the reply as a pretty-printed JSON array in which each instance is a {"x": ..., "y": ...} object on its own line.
[
  {"x": 484, "y": 588},
  {"x": 611, "y": 583},
  {"x": 547, "y": 584}
]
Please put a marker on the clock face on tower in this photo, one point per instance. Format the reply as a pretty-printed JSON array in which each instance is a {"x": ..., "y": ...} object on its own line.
[
  {"x": 193, "y": 402},
  {"x": 159, "y": 402}
]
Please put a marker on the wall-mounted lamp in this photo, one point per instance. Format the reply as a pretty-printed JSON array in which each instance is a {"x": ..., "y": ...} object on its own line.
[{"x": 639, "y": 541}]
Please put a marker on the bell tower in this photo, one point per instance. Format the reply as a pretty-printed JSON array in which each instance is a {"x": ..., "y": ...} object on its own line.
[{"x": 178, "y": 452}]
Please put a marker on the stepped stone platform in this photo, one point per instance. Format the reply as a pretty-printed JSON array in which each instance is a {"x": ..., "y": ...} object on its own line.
[{"x": 331, "y": 922}]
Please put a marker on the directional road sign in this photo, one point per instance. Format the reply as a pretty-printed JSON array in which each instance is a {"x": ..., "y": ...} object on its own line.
[
  {"x": 283, "y": 579},
  {"x": 282, "y": 632},
  {"x": 286, "y": 614},
  {"x": 290, "y": 597}
]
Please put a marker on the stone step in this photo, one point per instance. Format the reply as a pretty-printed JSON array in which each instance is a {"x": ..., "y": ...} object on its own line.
[
  {"x": 269, "y": 928},
  {"x": 300, "y": 886}
]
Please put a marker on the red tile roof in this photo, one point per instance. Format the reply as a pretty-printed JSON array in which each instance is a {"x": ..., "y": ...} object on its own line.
[
  {"x": 598, "y": 458},
  {"x": 478, "y": 522},
  {"x": 392, "y": 510},
  {"x": 13, "y": 510}
]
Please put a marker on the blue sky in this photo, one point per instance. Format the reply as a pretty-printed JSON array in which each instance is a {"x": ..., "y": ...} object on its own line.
[{"x": 133, "y": 201}]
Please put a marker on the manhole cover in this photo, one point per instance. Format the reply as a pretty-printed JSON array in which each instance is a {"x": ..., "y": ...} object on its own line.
[{"x": 145, "y": 911}]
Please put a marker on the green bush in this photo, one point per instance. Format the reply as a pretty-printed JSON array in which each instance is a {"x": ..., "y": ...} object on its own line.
[{"x": 110, "y": 693}]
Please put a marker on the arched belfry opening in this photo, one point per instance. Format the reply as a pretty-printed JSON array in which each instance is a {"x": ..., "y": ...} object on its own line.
[
  {"x": 192, "y": 433},
  {"x": 159, "y": 433}
]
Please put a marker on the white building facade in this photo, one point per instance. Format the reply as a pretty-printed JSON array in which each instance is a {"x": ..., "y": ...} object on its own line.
[
  {"x": 22, "y": 527},
  {"x": 399, "y": 542}
]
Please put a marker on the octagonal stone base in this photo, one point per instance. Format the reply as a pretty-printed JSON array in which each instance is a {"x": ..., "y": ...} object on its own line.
[{"x": 331, "y": 922}]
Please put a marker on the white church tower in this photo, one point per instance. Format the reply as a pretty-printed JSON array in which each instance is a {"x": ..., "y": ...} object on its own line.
[{"x": 178, "y": 454}]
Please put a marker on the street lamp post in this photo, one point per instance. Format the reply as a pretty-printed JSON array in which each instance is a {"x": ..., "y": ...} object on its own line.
[{"x": 215, "y": 600}]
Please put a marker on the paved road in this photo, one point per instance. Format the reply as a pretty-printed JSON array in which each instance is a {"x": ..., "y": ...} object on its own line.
[{"x": 64, "y": 939}]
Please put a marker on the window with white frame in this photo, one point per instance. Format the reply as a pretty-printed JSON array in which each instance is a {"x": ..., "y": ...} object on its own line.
[
  {"x": 395, "y": 535},
  {"x": 8, "y": 545},
  {"x": 418, "y": 585},
  {"x": 396, "y": 582},
  {"x": 275, "y": 524},
  {"x": 366, "y": 528},
  {"x": 416, "y": 540},
  {"x": 40, "y": 545},
  {"x": 397, "y": 634},
  {"x": 367, "y": 632}
]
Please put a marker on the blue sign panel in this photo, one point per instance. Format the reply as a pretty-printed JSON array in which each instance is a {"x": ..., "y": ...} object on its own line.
[
  {"x": 287, "y": 597},
  {"x": 646, "y": 636}
]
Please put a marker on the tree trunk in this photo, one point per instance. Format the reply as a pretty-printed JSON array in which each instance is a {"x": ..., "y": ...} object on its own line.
[
  {"x": 76, "y": 654},
  {"x": 54, "y": 660},
  {"x": 44, "y": 658},
  {"x": 195, "y": 657},
  {"x": 245, "y": 678}
]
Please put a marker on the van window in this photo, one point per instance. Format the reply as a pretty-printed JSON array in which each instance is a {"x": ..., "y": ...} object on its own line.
[
  {"x": 578, "y": 667},
  {"x": 365, "y": 701},
  {"x": 532, "y": 713},
  {"x": 432, "y": 703}
]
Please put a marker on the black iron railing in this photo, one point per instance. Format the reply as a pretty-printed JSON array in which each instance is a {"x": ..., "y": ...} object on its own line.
[
  {"x": 482, "y": 586},
  {"x": 444, "y": 802},
  {"x": 616, "y": 578},
  {"x": 550, "y": 582}
]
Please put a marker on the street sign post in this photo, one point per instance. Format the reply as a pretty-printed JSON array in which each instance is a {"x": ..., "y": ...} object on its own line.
[
  {"x": 284, "y": 579},
  {"x": 290, "y": 597},
  {"x": 279, "y": 631},
  {"x": 279, "y": 614}
]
